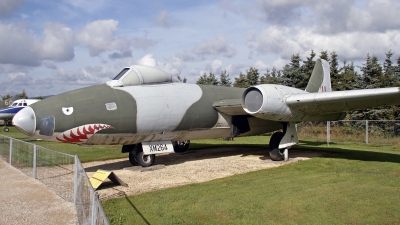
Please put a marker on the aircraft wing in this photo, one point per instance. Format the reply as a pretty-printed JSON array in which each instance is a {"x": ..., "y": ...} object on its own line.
[
  {"x": 342, "y": 101},
  {"x": 232, "y": 107}
]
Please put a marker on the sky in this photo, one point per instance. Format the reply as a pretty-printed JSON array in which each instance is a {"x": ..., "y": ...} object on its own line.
[{"x": 50, "y": 47}]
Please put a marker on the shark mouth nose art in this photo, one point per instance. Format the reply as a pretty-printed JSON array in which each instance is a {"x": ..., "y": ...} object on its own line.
[{"x": 82, "y": 133}]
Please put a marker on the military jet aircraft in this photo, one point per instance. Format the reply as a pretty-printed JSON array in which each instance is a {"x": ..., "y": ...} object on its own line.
[
  {"x": 8, "y": 113},
  {"x": 148, "y": 112}
]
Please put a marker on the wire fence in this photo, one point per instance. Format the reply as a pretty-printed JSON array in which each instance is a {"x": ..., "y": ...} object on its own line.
[
  {"x": 60, "y": 172},
  {"x": 380, "y": 132}
]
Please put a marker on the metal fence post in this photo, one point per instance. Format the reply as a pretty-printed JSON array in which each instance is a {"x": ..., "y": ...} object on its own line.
[
  {"x": 95, "y": 196},
  {"x": 34, "y": 161},
  {"x": 76, "y": 180},
  {"x": 366, "y": 131},
  {"x": 328, "y": 132},
  {"x": 11, "y": 146}
]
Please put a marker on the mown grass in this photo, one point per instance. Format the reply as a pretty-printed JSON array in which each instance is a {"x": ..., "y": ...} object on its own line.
[{"x": 357, "y": 184}]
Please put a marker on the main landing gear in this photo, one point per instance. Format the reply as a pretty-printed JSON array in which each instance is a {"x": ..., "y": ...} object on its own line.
[
  {"x": 138, "y": 158},
  {"x": 280, "y": 142},
  {"x": 275, "y": 153}
]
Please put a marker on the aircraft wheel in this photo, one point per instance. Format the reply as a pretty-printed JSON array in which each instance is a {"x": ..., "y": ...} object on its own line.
[
  {"x": 181, "y": 146},
  {"x": 274, "y": 151},
  {"x": 6, "y": 129},
  {"x": 132, "y": 158},
  {"x": 145, "y": 160}
]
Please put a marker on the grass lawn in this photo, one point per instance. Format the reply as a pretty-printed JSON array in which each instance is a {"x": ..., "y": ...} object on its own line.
[{"x": 358, "y": 184}]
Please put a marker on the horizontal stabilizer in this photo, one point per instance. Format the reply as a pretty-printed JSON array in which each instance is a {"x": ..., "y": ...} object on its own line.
[{"x": 342, "y": 101}]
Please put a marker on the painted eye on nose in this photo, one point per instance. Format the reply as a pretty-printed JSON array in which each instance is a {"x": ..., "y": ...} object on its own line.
[{"x": 68, "y": 110}]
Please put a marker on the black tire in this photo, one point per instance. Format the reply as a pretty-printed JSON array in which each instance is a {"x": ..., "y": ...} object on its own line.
[
  {"x": 145, "y": 160},
  {"x": 6, "y": 129},
  {"x": 132, "y": 158},
  {"x": 181, "y": 146},
  {"x": 274, "y": 151}
]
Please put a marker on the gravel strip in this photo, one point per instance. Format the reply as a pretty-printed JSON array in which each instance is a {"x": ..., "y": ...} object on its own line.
[{"x": 186, "y": 168}]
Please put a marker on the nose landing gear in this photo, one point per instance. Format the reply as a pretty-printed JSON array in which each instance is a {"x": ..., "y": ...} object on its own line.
[{"x": 5, "y": 128}]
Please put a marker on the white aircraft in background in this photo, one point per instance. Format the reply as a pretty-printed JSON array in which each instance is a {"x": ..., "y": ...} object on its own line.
[{"x": 8, "y": 113}]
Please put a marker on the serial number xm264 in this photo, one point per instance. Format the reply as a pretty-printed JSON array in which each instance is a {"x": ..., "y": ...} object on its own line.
[{"x": 148, "y": 112}]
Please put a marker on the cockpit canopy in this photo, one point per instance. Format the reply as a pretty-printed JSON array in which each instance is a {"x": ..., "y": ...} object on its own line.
[{"x": 139, "y": 75}]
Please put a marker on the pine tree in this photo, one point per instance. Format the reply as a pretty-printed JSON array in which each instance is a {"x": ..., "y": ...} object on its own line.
[
  {"x": 6, "y": 97},
  {"x": 389, "y": 71},
  {"x": 291, "y": 72},
  {"x": 336, "y": 78},
  {"x": 22, "y": 95},
  {"x": 372, "y": 73},
  {"x": 182, "y": 80},
  {"x": 372, "y": 77},
  {"x": 306, "y": 71},
  {"x": 224, "y": 79},
  {"x": 324, "y": 55},
  {"x": 211, "y": 79},
  {"x": 349, "y": 77},
  {"x": 252, "y": 76},
  {"x": 202, "y": 79},
  {"x": 241, "y": 81}
]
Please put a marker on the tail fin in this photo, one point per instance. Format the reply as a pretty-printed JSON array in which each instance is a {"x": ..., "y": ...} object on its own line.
[{"x": 320, "y": 80}]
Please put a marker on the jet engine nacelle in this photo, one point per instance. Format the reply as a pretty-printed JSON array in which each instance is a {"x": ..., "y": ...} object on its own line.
[{"x": 268, "y": 102}]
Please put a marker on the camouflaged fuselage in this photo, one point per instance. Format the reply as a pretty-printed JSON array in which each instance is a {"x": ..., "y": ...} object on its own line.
[{"x": 128, "y": 115}]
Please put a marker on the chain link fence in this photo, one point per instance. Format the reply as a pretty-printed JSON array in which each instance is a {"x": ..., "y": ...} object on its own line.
[
  {"x": 60, "y": 172},
  {"x": 380, "y": 132}
]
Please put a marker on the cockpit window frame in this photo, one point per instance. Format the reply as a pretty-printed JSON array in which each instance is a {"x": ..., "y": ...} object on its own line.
[{"x": 121, "y": 74}]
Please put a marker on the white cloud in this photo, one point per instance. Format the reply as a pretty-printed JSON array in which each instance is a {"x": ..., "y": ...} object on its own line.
[
  {"x": 99, "y": 36},
  {"x": 87, "y": 76},
  {"x": 88, "y": 5},
  {"x": 18, "y": 46},
  {"x": 173, "y": 67},
  {"x": 58, "y": 42},
  {"x": 147, "y": 60},
  {"x": 286, "y": 41},
  {"x": 8, "y": 7},
  {"x": 260, "y": 65},
  {"x": 279, "y": 63},
  {"x": 143, "y": 42},
  {"x": 217, "y": 45},
  {"x": 120, "y": 55},
  {"x": 235, "y": 68},
  {"x": 164, "y": 19},
  {"x": 21, "y": 47},
  {"x": 214, "y": 67}
]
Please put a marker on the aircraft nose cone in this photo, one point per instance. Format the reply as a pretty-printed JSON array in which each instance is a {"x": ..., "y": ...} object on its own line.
[{"x": 25, "y": 121}]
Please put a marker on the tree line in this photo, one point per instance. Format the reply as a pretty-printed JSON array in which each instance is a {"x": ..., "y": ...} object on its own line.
[{"x": 371, "y": 74}]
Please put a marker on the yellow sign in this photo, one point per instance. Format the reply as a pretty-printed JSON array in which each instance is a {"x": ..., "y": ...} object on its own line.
[{"x": 101, "y": 175}]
